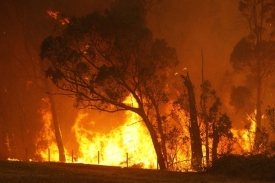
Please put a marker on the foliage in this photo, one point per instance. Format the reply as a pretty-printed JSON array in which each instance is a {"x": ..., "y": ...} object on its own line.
[
  {"x": 255, "y": 59},
  {"x": 102, "y": 59},
  {"x": 259, "y": 15},
  {"x": 223, "y": 126},
  {"x": 252, "y": 167}
]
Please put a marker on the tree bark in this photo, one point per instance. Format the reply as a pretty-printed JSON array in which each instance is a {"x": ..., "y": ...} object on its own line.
[{"x": 196, "y": 144}]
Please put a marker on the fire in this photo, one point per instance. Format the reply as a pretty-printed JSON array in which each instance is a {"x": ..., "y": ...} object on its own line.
[
  {"x": 245, "y": 138},
  {"x": 127, "y": 145},
  {"x": 53, "y": 14},
  {"x": 46, "y": 143}
]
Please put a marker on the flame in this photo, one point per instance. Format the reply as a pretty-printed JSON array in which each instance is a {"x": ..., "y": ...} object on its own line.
[
  {"x": 245, "y": 137},
  {"x": 56, "y": 15},
  {"x": 53, "y": 14},
  {"x": 127, "y": 145},
  {"x": 47, "y": 148}
]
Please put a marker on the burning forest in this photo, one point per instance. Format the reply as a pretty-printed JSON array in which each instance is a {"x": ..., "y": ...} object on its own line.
[{"x": 111, "y": 85}]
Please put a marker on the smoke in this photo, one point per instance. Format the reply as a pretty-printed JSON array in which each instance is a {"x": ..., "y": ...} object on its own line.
[{"x": 192, "y": 26}]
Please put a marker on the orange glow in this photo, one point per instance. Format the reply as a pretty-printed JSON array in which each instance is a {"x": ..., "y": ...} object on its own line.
[
  {"x": 46, "y": 143},
  {"x": 131, "y": 137},
  {"x": 245, "y": 138},
  {"x": 129, "y": 144},
  {"x": 53, "y": 14}
]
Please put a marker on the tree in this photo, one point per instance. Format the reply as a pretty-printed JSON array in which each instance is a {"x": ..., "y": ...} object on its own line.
[
  {"x": 204, "y": 116},
  {"x": 255, "y": 54},
  {"x": 100, "y": 59},
  {"x": 220, "y": 128},
  {"x": 216, "y": 124},
  {"x": 196, "y": 145}
]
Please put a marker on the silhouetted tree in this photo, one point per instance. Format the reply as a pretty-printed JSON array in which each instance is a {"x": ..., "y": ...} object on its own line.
[
  {"x": 218, "y": 124},
  {"x": 196, "y": 144},
  {"x": 254, "y": 55},
  {"x": 102, "y": 59},
  {"x": 220, "y": 128},
  {"x": 205, "y": 86}
]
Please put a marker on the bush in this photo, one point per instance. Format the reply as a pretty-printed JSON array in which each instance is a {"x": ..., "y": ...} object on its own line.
[{"x": 254, "y": 167}]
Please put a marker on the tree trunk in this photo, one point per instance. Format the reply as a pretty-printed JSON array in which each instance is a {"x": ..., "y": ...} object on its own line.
[
  {"x": 215, "y": 143},
  {"x": 56, "y": 129},
  {"x": 205, "y": 120},
  {"x": 161, "y": 132},
  {"x": 57, "y": 132},
  {"x": 157, "y": 146},
  {"x": 196, "y": 144},
  {"x": 58, "y": 137},
  {"x": 207, "y": 142},
  {"x": 257, "y": 140}
]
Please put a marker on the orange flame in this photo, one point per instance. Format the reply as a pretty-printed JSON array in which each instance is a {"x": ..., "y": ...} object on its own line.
[
  {"x": 129, "y": 144},
  {"x": 245, "y": 138},
  {"x": 46, "y": 143}
]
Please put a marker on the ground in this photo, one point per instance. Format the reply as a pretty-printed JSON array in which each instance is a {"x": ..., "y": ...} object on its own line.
[{"x": 48, "y": 172}]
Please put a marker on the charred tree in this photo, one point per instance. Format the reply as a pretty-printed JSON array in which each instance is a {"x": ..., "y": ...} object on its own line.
[{"x": 196, "y": 144}]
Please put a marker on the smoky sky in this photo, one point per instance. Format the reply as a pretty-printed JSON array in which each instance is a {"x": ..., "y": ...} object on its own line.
[
  {"x": 210, "y": 26},
  {"x": 191, "y": 26}
]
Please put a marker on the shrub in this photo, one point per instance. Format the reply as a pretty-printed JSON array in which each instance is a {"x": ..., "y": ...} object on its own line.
[{"x": 256, "y": 167}]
